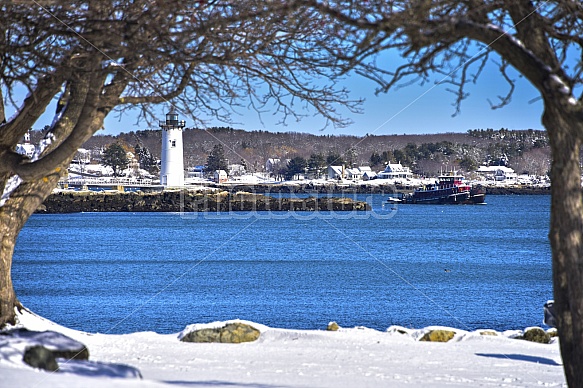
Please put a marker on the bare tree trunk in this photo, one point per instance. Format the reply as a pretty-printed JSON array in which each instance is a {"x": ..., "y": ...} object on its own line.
[
  {"x": 13, "y": 215},
  {"x": 82, "y": 118},
  {"x": 566, "y": 233},
  {"x": 8, "y": 299}
]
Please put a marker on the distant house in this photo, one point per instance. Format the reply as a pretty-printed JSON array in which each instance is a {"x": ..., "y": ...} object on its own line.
[
  {"x": 487, "y": 170},
  {"x": 134, "y": 164},
  {"x": 27, "y": 148},
  {"x": 359, "y": 173},
  {"x": 497, "y": 173},
  {"x": 335, "y": 172},
  {"x": 220, "y": 176},
  {"x": 504, "y": 174},
  {"x": 353, "y": 173},
  {"x": 196, "y": 172},
  {"x": 236, "y": 170},
  {"x": 395, "y": 171},
  {"x": 368, "y": 175}
]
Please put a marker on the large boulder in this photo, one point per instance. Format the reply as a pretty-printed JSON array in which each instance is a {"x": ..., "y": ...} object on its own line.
[
  {"x": 40, "y": 357},
  {"x": 58, "y": 344},
  {"x": 230, "y": 333},
  {"x": 536, "y": 334},
  {"x": 46, "y": 349},
  {"x": 43, "y": 348},
  {"x": 438, "y": 336}
]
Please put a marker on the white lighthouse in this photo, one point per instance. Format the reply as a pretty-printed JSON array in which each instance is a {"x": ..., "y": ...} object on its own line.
[{"x": 172, "y": 167}]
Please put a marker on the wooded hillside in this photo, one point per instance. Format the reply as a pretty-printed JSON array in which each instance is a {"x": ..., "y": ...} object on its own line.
[{"x": 526, "y": 151}]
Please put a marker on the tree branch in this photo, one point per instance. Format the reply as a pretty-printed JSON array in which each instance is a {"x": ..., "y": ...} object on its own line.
[
  {"x": 81, "y": 131},
  {"x": 33, "y": 107}
]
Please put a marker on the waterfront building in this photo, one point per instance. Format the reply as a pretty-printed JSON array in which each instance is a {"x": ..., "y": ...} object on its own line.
[
  {"x": 220, "y": 176},
  {"x": 395, "y": 171}
]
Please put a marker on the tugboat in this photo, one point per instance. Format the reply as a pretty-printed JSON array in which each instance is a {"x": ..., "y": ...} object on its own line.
[{"x": 449, "y": 189}]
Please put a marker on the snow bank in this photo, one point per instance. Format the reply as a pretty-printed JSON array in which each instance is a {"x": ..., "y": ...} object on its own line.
[{"x": 349, "y": 357}]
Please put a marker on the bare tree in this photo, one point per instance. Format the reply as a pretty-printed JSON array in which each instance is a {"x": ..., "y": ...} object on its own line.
[
  {"x": 455, "y": 40},
  {"x": 209, "y": 58},
  {"x": 213, "y": 57}
]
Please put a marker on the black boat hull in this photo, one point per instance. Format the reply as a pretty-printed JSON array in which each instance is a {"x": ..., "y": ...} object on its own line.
[{"x": 445, "y": 197}]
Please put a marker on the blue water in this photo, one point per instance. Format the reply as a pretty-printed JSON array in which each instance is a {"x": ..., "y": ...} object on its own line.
[{"x": 470, "y": 267}]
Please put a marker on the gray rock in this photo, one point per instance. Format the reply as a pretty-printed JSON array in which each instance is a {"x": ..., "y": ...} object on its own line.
[
  {"x": 231, "y": 333},
  {"x": 60, "y": 345},
  {"x": 536, "y": 334},
  {"x": 40, "y": 357},
  {"x": 438, "y": 336}
]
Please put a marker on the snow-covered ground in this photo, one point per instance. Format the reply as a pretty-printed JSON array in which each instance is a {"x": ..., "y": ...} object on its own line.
[
  {"x": 350, "y": 357},
  {"x": 103, "y": 175}
]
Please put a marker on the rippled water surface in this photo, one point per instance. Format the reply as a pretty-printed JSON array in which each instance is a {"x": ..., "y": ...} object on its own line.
[{"x": 470, "y": 267}]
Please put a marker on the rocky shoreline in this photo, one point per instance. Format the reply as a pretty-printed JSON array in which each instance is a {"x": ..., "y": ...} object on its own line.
[
  {"x": 190, "y": 201},
  {"x": 236, "y": 198},
  {"x": 518, "y": 190},
  {"x": 334, "y": 188}
]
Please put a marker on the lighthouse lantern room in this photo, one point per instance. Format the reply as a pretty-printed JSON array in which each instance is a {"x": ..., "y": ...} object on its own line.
[{"x": 172, "y": 164}]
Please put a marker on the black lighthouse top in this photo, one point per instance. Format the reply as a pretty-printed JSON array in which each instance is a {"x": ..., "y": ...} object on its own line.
[{"x": 172, "y": 121}]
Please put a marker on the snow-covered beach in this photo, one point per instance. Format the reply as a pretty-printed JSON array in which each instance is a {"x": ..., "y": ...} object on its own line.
[{"x": 349, "y": 357}]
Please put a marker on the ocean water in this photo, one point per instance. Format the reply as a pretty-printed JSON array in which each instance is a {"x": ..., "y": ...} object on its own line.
[{"x": 470, "y": 267}]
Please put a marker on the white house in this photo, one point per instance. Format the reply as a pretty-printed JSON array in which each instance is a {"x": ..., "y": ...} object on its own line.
[
  {"x": 497, "y": 173},
  {"x": 505, "y": 174},
  {"x": 220, "y": 176},
  {"x": 395, "y": 171},
  {"x": 236, "y": 169},
  {"x": 27, "y": 148},
  {"x": 353, "y": 173},
  {"x": 368, "y": 175},
  {"x": 335, "y": 172},
  {"x": 487, "y": 171}
]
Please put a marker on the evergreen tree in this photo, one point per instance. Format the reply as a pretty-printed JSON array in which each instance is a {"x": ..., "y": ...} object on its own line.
[
  {"x": 468, "y": 164},
  {"x": 115, "y": 156},
  {"x": 316, "y": 162},
  {"x": 145, "y": 159},
  {"x": 351, "y": 157},
  {"x": 334, "y": 159},
  {"x": 375, "y": 159},
  {"x": 295, "y": 166},
  {"x": 216, "y": 159},
  {"x": 387, "y": 156}
]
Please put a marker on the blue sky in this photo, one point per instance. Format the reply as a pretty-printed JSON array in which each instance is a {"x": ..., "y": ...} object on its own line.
[
  {"x": 410, "y": 110},
  {"x": 413, "y": 109}
]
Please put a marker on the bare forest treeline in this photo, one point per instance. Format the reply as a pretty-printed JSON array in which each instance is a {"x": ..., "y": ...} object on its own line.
[{"x": 526, "y": 151}]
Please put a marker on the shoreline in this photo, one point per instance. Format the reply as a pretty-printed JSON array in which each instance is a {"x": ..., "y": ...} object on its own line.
[
  {"x": 190, "y": 201},
  {"x": 237, "y": 197},
  {"x": 339, "y": 188}
]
